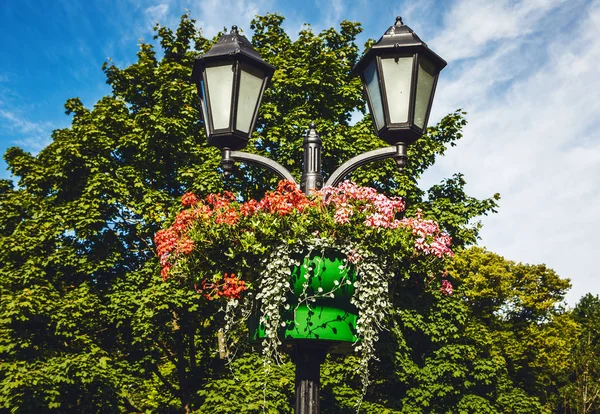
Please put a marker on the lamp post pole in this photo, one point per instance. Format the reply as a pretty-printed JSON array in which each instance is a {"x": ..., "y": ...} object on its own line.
[
  {"x": 308, "y": 361},
  {"x": 399, "y": 75}
]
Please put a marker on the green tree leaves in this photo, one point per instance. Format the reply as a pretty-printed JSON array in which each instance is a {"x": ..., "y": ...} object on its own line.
[{"x": 582, "y": 392}]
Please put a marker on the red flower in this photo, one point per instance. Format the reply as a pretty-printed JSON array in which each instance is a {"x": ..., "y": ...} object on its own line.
[
  {"x": 229, "y": 216},
  {"x": 284, "y": 200},
  {"x": 230, "y": 287},
  {"x": 189, "y": 199},
  {"x": 219, "y": 201},
  {"x": 249, "y": 207},
  {"x": 185, "y": 245},
  {"x": 165, "y": 272}
]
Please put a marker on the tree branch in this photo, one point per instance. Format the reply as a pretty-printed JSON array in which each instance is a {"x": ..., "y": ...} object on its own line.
[
  {"x": 167, "y": 384},
  {"x": 130, "y": 407}
]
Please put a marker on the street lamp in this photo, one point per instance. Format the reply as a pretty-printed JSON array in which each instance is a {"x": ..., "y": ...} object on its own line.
[{"x": 399, "y": 76}]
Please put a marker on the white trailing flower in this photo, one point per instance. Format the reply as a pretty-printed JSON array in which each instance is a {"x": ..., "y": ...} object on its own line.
[{"x": 370, "y": 296}]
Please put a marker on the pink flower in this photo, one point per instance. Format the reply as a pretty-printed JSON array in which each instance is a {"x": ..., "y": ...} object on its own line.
[
  {"x": 342, "y": 215},
  {"x": 348, "y": 198},
  {"x": 446, "y": 288},
  {"x": 430, "y": 239}
]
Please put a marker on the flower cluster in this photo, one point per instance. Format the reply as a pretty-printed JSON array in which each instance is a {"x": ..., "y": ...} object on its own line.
[
  {"x": 174, "y": 241},
  {"x": 430, "y": 239},
  {"x": 230, "y": 287},
  {"x": 283, "y": 201},
  {"x": 349, "y": 213},
  {"x": 189, "y": 199},
  {"x": 347, "y": 198},
  {"x": 446, "y": 288}
]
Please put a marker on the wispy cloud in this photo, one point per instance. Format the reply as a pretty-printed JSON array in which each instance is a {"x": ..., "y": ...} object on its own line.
[
  {"x": 31, "y": 136},
  {"x": 166, "y": 13},
  {"x": 21, "y": 125},
  {"x": 533, "y": 128},
  {"x": 157, "y": 12},
  {"x": 32, "y": 144},
  {"x": 213, "y": 15},
  {"x": 332, "y": 12},
  {"x": 475, "y": 25}
]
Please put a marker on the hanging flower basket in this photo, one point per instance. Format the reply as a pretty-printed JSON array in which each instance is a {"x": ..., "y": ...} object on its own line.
[{"x": 304, "y": 268}]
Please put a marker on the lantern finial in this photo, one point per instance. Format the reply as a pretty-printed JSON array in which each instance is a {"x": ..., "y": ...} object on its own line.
[
  {"x": 234, "y": 30},
  {"x": 399, "y": 21}
]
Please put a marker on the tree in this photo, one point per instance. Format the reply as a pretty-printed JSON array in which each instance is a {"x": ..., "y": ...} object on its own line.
[
  {"x": 86, "y": 326},
  {"x": 518, "y": 308},
  {"x": 86, "y": 323},
  {"x": 582, "y": 391}
]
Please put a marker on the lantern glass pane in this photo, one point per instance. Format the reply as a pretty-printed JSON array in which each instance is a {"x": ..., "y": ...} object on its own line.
[
  {"x": 250, "y": 87},
  {"x": 219, "y": 81},
  {"x": 426, "y": 76},
  {"x": 397, "y": 76},
  {"x": 203, "y": 104},
  {"x": 372, "y": 83}
]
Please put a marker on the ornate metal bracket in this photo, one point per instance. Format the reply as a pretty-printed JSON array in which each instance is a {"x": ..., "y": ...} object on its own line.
[
  {"x": 228, "y": 159},
  {"x": 397, "y": 152},
  {"x": 311, "y": 175}
]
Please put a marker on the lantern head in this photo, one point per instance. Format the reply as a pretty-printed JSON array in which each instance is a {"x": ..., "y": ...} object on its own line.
[
  {"x": 399, "y": 75},
  {"x": 231, "y": 78}
]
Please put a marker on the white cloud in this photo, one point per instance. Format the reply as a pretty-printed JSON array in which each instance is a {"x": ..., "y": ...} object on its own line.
[
  {"x": 158, "y": 12},
  {"x": 34, "y": 135},
  {"x": 474, "y": 24},
  {"x": 33, "y": 144},
  {"x": 214, "y": 15},
  {"x": 166, "y": 13},
  {"x": 333, "y": 12},
  {"x": 534, "y": 117},
  {"x": 17, "y": 122}
]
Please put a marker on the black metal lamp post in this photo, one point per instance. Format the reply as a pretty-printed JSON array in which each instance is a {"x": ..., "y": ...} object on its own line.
[{"x": 399, "y": 76}]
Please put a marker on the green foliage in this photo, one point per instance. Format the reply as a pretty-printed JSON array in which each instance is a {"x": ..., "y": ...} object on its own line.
[
  {"x": 246, "y": 387},
  {"x": 516, "y": 308},
  {"x": 84, "y": 313},
  {"x": 581, "y": 394},
  {"x": 87, "y": 325}
]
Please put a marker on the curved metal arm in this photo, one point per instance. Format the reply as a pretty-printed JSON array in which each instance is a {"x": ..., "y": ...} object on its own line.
[
  {"x": 230, "y": 157},
  {"x": 398, "y": 152}
]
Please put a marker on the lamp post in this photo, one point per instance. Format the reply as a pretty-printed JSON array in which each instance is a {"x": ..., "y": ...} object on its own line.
[{"x": 399, "y": 75}]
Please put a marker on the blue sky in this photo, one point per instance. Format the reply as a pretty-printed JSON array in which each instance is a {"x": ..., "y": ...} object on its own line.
[{"x": 526, "y": 72}]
